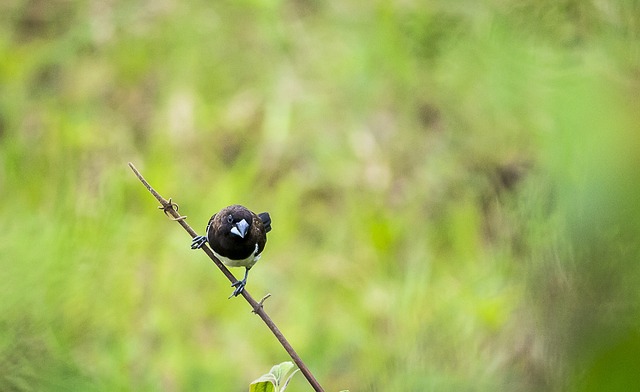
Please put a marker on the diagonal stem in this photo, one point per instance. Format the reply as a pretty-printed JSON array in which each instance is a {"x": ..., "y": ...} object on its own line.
[{"x": 258, "y": 309}]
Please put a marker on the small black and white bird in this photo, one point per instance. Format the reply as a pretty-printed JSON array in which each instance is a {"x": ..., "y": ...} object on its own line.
[{"x": 237, "y": 237}]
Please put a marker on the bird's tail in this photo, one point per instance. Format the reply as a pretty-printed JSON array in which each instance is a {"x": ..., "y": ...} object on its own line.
[{"x": 266, "y": 220}]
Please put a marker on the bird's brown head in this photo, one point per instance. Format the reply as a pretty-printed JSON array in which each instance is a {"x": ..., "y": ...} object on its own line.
[{"x": 234, "y": 222}]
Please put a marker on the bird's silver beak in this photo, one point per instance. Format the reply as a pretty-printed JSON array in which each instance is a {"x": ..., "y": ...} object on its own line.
[{"x": 240, "y": 229}]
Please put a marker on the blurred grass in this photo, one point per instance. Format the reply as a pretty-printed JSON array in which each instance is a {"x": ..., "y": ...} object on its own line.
[{"x": 454, "y": 190}]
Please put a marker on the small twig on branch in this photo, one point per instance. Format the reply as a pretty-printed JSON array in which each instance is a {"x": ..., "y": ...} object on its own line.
[
  {"x": 171, "y": 209},
  {"x": 261, "y": 302}
]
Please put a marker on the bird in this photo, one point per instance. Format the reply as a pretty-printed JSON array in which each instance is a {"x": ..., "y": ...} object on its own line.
[{"x": 237, "y": 236}]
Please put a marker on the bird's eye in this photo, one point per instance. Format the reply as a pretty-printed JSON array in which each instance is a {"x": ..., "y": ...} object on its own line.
[{"x": 229, "y": 218}]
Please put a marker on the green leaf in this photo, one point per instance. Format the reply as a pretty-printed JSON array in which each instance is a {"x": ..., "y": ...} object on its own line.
[
  {"x": 276, "y": 380},
  {"x": 266, "y": 383}
]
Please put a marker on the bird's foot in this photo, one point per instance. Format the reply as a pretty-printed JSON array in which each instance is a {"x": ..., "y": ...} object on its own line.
[
  {"x": 239, "y": 285},
  {"x": 198, "y": 241}
]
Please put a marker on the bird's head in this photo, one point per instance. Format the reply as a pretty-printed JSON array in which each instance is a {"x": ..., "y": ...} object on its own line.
[{"x": 236, "y": 222}]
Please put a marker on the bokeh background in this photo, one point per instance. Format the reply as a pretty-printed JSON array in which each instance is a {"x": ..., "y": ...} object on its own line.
[{"x": 454, "y": 187}]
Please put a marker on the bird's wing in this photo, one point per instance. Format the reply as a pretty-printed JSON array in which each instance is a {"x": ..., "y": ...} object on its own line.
[{"x": 209, "y": 224}]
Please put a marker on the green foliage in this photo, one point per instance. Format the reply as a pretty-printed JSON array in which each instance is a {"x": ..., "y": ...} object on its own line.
[
  {"x": 453, "y": 187},
  {"x": 276, "y": 380}
]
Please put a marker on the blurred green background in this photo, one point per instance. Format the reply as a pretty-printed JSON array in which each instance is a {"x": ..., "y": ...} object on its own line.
[{"x": 454, "y": 187}]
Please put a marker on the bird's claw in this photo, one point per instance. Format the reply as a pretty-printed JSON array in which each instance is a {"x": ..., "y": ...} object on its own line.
[
  {"x": 198, "y": 242},
  {"x": 239, "y": 285}
]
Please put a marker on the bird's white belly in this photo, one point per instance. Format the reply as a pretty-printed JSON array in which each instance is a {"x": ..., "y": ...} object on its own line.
[{"x": 247, "y": 263}]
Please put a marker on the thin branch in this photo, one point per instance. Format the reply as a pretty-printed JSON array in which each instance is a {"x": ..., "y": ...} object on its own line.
[{"x": 171, "y": 209}]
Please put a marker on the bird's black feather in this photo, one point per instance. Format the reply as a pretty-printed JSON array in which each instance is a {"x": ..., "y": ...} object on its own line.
[
  {"x": 266, "y": 221},
  {"x": 237, "y": 236}
]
